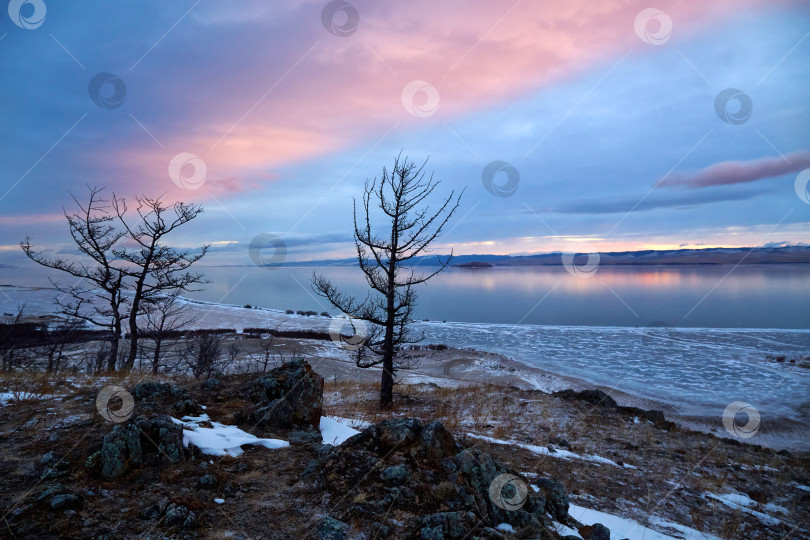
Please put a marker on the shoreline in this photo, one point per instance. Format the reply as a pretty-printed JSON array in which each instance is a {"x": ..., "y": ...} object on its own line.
[
  {"x": 477, "y": 366},
  {"x": 455, "y": 368}
]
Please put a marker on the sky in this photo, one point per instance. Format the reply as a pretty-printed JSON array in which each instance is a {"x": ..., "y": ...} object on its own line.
[{"x": 574, "y": 126}]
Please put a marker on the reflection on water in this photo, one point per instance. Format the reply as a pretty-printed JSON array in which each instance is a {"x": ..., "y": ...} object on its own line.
[{"x": 754, "y": 296}]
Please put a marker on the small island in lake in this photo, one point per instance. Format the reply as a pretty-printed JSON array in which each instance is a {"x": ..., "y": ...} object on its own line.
[{"x": 473, "y": 265}]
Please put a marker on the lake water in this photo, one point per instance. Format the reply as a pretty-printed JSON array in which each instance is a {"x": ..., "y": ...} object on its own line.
[{"x": 754, "y": 296}]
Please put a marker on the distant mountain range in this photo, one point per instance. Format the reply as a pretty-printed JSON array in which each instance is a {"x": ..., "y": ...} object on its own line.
[{"x": 751, "y": 255}]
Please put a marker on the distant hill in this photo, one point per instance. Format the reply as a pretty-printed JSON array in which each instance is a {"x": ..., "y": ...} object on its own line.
[
  {"x": 769, "y": 255},
  {"x": 746, "y": 255}
]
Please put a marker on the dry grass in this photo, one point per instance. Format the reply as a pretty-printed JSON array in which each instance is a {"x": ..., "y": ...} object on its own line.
[
  {"x": 694, "y": 462},
  {"x": 674, "y": 469}
]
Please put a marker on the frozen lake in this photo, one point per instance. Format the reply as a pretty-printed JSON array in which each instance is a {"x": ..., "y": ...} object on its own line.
[{"x": 698, "y": 370}]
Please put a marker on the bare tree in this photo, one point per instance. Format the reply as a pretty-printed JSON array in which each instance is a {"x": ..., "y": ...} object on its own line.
[
  {"x": 97, "y": 297},
  {"x": 58, "y": 342},
  {"x": 202, "y": 354},
  {"x": 96, "y": 358},
  {"x": 11, "y": 337},
  {"x": 155, "y": 267},
  {"x": 164, "y": 317},
  {"x": 234, "y": 350},
  {"x": 411, "y": 227},
  {"x": 267, "y": 345}
]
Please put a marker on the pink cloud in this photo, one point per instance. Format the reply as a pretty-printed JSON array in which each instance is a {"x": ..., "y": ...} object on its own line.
[
  {"x": 31, "y": 219},
  {"x": 739, "y": 172},
  {"x": 340, "y": 92}
]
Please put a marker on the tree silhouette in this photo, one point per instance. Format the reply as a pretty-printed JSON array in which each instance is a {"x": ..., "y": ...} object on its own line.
[{"x": 410, "y": 227}]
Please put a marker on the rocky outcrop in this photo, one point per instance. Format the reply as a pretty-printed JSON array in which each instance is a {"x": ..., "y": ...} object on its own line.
[
  {"x": 594, "y": 397},
  {"x": 288, "y": 396},
  {"x": 556, "y": 498},
  {"x": 403, "y": 465},
  {"x": 172, "y": 397},
  {"x": 139, "y": 441},
  {"x": 598, "y": 398}
]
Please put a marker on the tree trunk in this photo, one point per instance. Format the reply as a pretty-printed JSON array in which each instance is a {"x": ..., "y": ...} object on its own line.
[
  {"x": 156, "y": 357},
  {"x": 387, "y": 383},
  {"x": 113, "y": 352},
  {"x": 114, "y": 341},
  {"x": 133, "y": 341}
]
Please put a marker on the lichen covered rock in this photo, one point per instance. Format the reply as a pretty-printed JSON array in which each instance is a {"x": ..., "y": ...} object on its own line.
[
  {"x": 139, "y": 441},
  {"x": 289, "y": 395},
  {"x": 400, "y": 466}
]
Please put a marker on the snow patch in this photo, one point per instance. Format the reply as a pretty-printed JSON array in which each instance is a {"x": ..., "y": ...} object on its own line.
[
  {"x": 336, "y": 430},
  {"x": 220, "y": 440},
  {"x": 8, "y": 397},
  {"x": 621, "y": 528},
  {"x": 745, "y": 504},
  {"x": 544, "y": 451}
]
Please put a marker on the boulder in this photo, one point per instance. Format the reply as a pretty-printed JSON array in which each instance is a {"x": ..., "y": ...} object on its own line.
[
  {"x": 330, "y": 528},
  {"x": 289, "y": 395},
  {"x": 138, "y": 441},
  {"x": 556, "y": 498},
  {"x": 178, "y": 515},
  {"x": 594, "y": 396},
  {"x": 175, "y": 398},
  {"x": 395, "y": 475},
  {"x": 597, "y": 531}
]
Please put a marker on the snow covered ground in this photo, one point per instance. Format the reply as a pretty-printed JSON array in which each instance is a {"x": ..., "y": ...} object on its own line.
[
  {"x": 621, "y": 528},
  {"x": 698, "y": 370}
]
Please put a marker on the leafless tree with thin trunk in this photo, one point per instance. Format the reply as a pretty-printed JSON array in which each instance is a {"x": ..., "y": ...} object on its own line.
[
  {"x": 97, "y": 297},
  {"x": 202, "y": 354},
  {"x": 165, "y": 316},
  {"x": 154, "y": 267},
  {"x": 410, "y": 227},
  {"x": 11, "y": 338},
  {"x": 59, "y": 341}
]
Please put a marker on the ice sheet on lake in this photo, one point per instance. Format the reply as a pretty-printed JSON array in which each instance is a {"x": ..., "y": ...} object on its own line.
[{"x": 699, "y": 370}]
